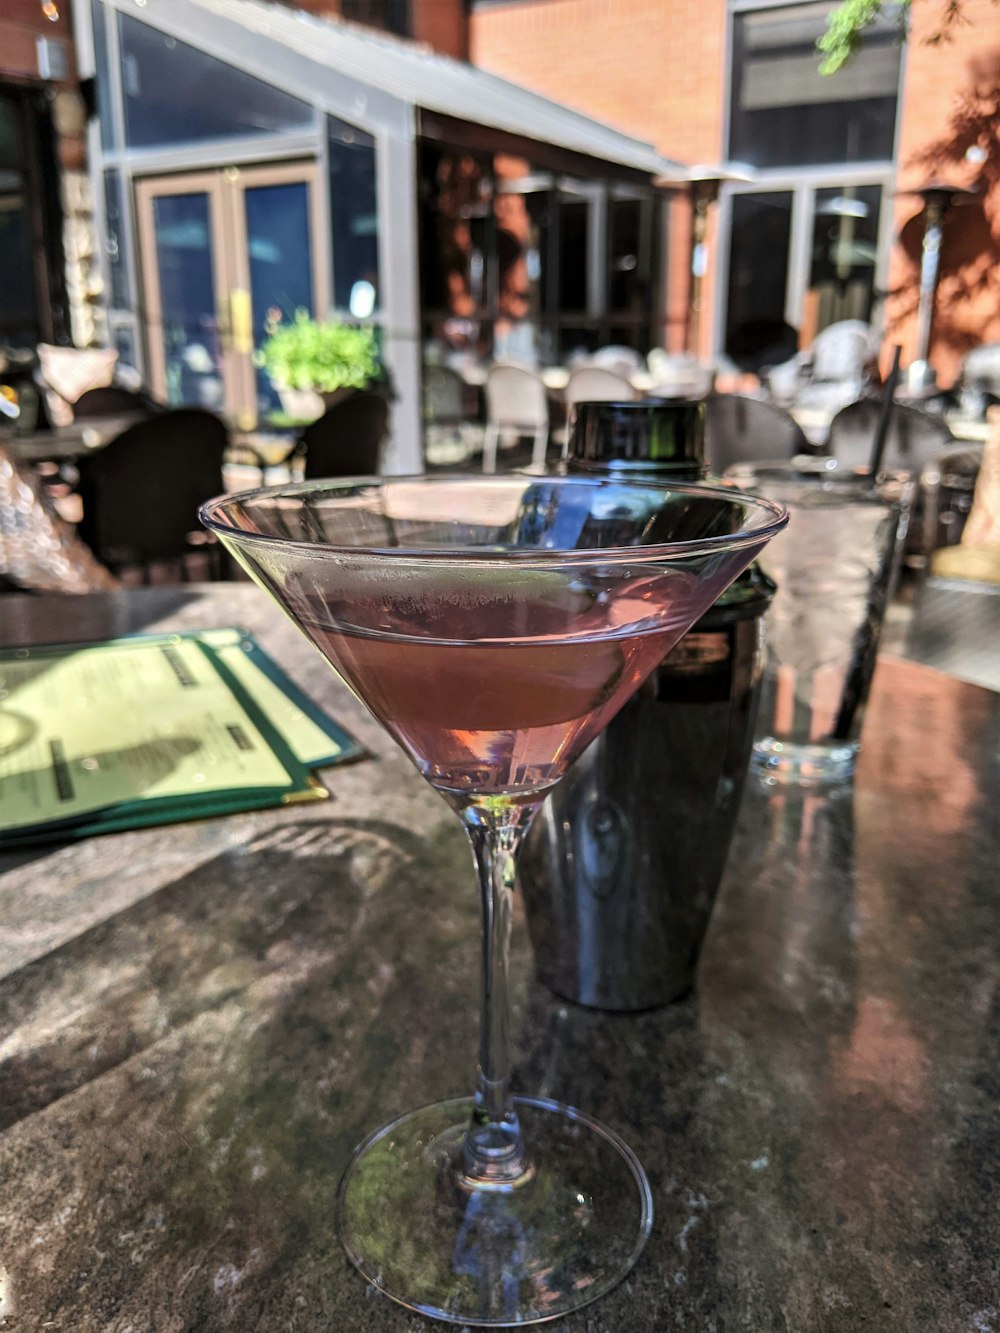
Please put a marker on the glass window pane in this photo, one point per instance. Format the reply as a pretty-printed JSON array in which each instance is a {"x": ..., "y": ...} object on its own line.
[
  {"x": 177, "y": 94},
  {"x": 123, "y": 338},
  {"x": 574, "y": 216},
  {"x": 784, "y": 112},
  {"x": 114, "y": 240},
  {"x": 844, "y": 253},
  {"x": 18, "y": 298},
  {"x": 102, "y": 67},
  {"x": 521, "y": 206},
  {"x": 354, "y": 219},
  {"x": 279, "y": 245},
  {"x": 187, "y": 297},
  {"x": 757, "y": 334},
  {"x": 629, "y": 277},
  {"x": 389, "y": 15},
  {"x": 456, "y": 226}
]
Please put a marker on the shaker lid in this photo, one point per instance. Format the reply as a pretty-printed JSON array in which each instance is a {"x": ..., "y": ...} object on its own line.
[{"x": 662, "y": 434}]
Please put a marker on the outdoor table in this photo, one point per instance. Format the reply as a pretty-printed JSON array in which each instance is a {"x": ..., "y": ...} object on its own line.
[
  {"x": 64, "y": 444},
  {"x": 201, "y": 1021}
]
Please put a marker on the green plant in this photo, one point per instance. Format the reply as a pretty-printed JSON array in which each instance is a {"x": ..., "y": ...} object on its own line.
[{"x": 306, "y": 354}]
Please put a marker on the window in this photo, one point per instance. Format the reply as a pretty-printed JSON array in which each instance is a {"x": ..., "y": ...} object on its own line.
[
  {"x": 176, "y": 94},
  {"x": 353, "y": 219},
  {"x": 514, "y": 259},
  {"x": 844, "y": 254},
  {"x": 758, "y": 280},
  {"x": 389, "y": 15},
  {"x": 102, "y": 67},
  {"x": 114, "y": 235},
  {"x": 18, "y": 299},
  {"x": 785, "y": 113}
]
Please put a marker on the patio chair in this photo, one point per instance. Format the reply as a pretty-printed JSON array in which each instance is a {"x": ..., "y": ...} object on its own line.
[
  {"x": 915, "y": 438},
  {"x": 450, "y": 437},
  {"x": 141, "y": 492},
  {"x": 516, "y": 404},
  {"x": 915, "y": 443},
  {"x": 113, "y": 400},
  {"x": 748, "y": 430},
  {"x": 597, "y": 384},
  {"x": 348, "y": 438},
  {"x": 832, "y": 372},
  {"x": 979, "y": 380}
]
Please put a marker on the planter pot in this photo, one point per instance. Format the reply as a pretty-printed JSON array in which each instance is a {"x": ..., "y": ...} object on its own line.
[{"x": 301, "y": 404}]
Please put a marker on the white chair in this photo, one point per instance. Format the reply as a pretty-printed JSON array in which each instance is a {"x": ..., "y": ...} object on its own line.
[
  {"x": 516, "y": 404},
  {"x": 625, "y": 360},
  {"x": 597, "y": 384},
  {"x": 832, "y": 372},
  {"x": 678, "y": 375}
]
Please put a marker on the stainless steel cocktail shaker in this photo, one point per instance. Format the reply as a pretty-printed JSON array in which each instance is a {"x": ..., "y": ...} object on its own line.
[{"x": 622, "y": 865}]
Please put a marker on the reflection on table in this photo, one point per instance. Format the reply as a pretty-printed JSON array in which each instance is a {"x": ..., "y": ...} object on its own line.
[{"x": 204, "y": 1019}]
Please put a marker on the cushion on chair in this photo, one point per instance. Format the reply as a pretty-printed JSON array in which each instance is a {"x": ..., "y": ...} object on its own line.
[{"x": 68, "y": 372}]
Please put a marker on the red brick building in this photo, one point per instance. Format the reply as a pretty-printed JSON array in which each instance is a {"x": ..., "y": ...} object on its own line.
[{"x": 707, "y": 81}]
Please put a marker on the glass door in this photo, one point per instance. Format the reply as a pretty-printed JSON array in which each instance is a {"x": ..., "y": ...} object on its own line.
[
  {"x": 757, "y": 330},
  {"x": 802, "y": 255},
  {"x": 223, "y": 253}
]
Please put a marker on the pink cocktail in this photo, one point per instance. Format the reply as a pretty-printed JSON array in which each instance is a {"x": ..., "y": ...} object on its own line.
[{"x": 494, "y": 626}]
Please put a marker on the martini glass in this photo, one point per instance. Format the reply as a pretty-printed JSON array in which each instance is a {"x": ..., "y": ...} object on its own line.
[{"x": 494, "y": 625}]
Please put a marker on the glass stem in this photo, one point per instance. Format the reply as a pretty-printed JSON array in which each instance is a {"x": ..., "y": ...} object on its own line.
[{"x": 494, "y": 1148}]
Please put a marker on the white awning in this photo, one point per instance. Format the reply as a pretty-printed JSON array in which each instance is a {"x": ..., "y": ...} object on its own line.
[{"x": 395, "y": 68}]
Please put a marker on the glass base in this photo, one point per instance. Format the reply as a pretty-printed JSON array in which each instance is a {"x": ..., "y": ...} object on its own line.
[
  {"x": 554, "y": 1241},
  {"x": 805, "y": 765}
]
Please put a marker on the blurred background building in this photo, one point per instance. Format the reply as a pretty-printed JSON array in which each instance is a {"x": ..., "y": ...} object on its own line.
[{"x": 175, "y": 172}]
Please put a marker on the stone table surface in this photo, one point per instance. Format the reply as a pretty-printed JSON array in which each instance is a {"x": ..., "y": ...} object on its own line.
[{"x": 198, "y": 1023}]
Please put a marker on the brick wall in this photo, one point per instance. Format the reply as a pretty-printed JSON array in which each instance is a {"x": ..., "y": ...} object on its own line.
[
  {"x": 439, "y": 23},
  {"x": 654, "y": 68},
  {"x": 442, "y": 25},
  {"x": 951, "y": 102}
]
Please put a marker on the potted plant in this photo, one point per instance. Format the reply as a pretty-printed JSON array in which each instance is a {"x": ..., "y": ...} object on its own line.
[{"x": 312, "y": 364}]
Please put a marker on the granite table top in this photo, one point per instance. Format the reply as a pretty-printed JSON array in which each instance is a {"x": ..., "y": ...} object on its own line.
[{"x": 198, "y": 1023}]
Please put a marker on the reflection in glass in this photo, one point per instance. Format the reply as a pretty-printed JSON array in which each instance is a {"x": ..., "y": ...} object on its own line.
[
  {"x": 280, "y": 254},
  {"x": 353, "y": 213},
  {"x": 191, "y": 350},
  {"x": 177, "y": 94},
  {"x": 844, "y": 253}
]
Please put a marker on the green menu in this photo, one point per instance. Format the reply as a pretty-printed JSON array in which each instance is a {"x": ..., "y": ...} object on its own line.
[{"x": 100, "y": 737}]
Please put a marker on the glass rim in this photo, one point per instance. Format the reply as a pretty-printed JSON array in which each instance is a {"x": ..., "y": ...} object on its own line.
[{"x": 211, "y": 511}]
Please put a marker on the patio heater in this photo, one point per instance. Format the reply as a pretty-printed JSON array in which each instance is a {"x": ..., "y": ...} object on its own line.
[
  {"x": 705, "y": 182},
  {"x": 939, "y": 199}
]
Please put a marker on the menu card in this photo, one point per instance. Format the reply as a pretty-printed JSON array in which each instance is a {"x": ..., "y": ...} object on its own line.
[{"x": 151, "y": 729}]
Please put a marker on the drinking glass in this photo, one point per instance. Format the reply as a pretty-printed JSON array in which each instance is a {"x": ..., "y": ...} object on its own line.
[
  {"x": 493, "y": 625},
  {"x": 835, "y": 566}
]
